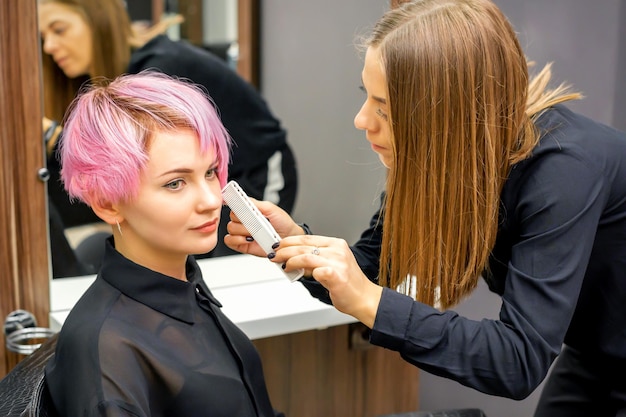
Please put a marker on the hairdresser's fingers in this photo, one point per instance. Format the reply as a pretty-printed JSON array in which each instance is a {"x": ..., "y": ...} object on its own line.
[
  {"x": 310, "y": 252},
  {"x": 235, "y": 227},
  {"x": 243, "y": 243},
  {"x": 331, "y": 262},
  {"x": 239, "y": 239},
  {"x": 310, "y": 241}
]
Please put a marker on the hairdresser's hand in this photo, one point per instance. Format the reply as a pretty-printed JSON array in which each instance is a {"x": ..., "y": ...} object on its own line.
[
  {"x": 331, "y": 262},
  {"x": 45, "y": 124},
  {"x": 238, "y": 238}
]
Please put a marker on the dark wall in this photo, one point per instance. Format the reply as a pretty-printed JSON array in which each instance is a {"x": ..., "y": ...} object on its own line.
[{"x": 139, "y": 9}]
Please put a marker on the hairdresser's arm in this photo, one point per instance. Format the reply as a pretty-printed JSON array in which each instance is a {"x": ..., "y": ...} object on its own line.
[
  {"x": 510, "y": 356},
  {"x": 366, "y": 251},
  {"x": 343, "y": 276}
]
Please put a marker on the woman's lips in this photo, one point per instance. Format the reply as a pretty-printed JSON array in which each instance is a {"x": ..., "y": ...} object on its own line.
[
  {"x": 207, "y": 227},
  {"x": 377, "y": 148}
]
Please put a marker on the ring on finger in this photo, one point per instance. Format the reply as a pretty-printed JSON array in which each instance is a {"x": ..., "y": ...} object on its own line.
[{"x": 316, "y": 251}]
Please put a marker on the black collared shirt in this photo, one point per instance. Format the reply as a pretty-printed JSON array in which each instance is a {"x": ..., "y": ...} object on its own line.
[
  {"x": 139, "y": 343},
  {"x": 559, "y": 266}
]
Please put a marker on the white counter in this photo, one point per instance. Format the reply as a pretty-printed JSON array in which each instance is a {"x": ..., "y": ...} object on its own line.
[{"x": 253, "y": 291}]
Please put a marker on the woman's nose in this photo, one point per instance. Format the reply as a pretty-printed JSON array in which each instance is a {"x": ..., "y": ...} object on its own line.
[
  {"x": 49, "y": 45},
  {"x": 210, "y": 197},
  {"x": 361, "y": 121}
]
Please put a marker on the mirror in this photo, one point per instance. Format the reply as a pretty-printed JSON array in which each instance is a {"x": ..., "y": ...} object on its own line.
[
  {"x": 209, "y": 24},
  {"x": 226, "y": 28}
]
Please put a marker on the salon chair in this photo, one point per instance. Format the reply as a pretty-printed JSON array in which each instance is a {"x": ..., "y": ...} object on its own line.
[
  {"x": 464, "y": 412},
  {"x": 23, "y": 391}
]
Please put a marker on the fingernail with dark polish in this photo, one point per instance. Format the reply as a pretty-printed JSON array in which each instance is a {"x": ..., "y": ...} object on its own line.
[
  {"x": 249, "y": 238},
  {"x": 283, "y": 266},
  {"x": 271, "y": 255},
  {"x": 275, "y": 245}
]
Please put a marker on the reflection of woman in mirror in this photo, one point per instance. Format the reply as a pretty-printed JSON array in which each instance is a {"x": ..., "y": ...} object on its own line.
[
  {"x": 87, "y": 39},
  {"x": 149, "y": 154}
]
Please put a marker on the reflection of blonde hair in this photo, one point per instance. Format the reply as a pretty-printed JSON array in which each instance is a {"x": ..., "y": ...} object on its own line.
[
  {"x": 461, "y": 109},
  {"x": 113, "y": 38}
]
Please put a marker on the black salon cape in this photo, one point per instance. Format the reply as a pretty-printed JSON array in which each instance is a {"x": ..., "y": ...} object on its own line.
[
  {"x": 559, "y": 264},
  {"x": 139, "y": 343}
]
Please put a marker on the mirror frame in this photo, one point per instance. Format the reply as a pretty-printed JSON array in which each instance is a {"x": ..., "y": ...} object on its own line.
[
  {"x": 248, "y": 28},
  {"x": 247, "y": 37},
  {"x": 24, "y": 259}
]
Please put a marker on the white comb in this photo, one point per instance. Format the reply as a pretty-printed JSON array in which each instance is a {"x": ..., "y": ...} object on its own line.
[{"x": 257, "y": 225}]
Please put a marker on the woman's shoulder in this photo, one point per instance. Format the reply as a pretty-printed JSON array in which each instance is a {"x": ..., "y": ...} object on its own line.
[
  {"x": 567, "y": 134},
  {"x": 564, "y": 125},
  {"x": 175, "y": 57},
  {"x": 573, "y": 149}
]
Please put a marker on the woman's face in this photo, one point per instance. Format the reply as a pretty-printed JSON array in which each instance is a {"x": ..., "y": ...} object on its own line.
[
  {"x": 66, "y": 37},
  {"x": 374, "y": 114},
  {"x": 177, "y": 209}
]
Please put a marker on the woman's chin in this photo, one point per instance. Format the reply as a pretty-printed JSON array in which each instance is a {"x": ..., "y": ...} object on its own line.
[
  {"x": 206, "y": 247},
  {"x": 72, "y": 73},
  {"x": 386, "y": 161}
]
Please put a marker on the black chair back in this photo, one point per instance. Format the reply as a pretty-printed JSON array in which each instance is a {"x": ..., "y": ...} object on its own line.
[
  {"x": 23, "y": 391},
  {"x": 458, "y": 412}
]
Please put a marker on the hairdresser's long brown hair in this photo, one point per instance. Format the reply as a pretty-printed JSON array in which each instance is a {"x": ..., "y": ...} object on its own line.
[
  {"x": 113, "y": 38},
  {"x": 461, "y": 108}
]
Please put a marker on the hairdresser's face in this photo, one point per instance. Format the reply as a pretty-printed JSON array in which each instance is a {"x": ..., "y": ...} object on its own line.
[
  {"x": 66, "y": 38},
  {"x": 177, "y": 210},
  {"x": 374, "y": 114}
]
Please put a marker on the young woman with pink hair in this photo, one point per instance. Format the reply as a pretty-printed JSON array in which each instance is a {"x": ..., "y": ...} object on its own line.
[{"x": 149, "y": 155}]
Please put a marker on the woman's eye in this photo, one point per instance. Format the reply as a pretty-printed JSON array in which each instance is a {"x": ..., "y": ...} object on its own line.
[
  {"x": 382, "y": 114},
  {"x": 59, "y": 30},
  {"x": 174, "y": 185},
  {"x": 211, "y": 173}
]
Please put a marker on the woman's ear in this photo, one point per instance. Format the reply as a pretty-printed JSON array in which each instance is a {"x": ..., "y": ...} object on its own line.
[{"x": 108, "y": 212}]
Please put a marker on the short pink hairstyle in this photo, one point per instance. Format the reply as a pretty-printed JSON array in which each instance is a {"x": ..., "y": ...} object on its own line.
[{"x": 108, "y": 129}]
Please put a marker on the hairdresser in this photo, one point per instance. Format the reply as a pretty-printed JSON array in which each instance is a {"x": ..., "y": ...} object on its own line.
[{"x": 492, "y": 176}]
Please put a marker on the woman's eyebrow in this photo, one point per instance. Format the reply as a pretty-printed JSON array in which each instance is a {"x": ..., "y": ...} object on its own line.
[
  {"x": 176, "y": 171},
  {"x": 184, "y": 170},
  {"x": 381, "y": 100}
]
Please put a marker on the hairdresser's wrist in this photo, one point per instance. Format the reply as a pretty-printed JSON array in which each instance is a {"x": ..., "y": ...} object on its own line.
[
  {"x": 305, "y": 228},
  {"x": 368, "y": 308}
]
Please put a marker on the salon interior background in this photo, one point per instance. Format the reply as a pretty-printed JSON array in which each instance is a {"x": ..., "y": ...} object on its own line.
[{"x": 310, "y": 73}]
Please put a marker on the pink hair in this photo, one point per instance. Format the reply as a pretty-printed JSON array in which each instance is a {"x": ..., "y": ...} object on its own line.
[{"x": 108, "y": 129}]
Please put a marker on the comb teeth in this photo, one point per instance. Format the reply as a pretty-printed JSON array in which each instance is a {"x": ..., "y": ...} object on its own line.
[{"x": 258, "y": 226}]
